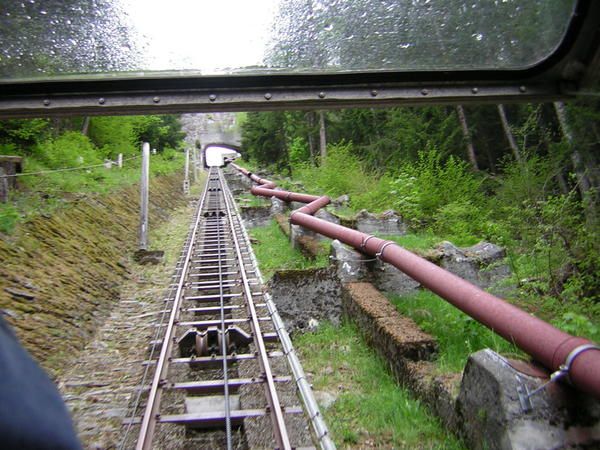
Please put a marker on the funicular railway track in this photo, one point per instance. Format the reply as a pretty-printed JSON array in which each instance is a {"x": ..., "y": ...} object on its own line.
[{"x": 221, "y": 372}]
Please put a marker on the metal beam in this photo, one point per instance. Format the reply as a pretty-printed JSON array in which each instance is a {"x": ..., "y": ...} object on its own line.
[{"x": 275, "y": 98}]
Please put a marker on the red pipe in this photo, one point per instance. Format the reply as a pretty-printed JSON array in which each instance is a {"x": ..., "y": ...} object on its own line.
[
  {"x": 283, "y": 195},
  {"x": 545, "y": 343}
]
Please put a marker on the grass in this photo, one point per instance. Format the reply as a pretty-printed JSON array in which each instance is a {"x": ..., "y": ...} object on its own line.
[
  {"x": 416, "y": 241},
  {"x": 371, "y": 410},
  {"x": 252, "y": 200},
  {"x": 426, "y": 240},
  {"x": 275, "y": 252},
  {"x": 170, "y": 236},
  {"x": 42, "y": 194},
  {"x": 458, "y": 334}
]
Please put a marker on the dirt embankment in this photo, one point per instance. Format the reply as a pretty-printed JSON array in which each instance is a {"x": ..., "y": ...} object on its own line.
[{"x": 60, "y": 274}]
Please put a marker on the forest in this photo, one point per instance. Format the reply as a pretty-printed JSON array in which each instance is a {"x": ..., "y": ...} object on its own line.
[{"x": 522, "y": 176}]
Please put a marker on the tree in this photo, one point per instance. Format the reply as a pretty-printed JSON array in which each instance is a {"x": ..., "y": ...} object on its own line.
[
  {"x": 467, "y": 135},
  {"x": 508, "y": 133},
  {"x": 161, "y": 132},
  {"x": 264, "y": 139}
]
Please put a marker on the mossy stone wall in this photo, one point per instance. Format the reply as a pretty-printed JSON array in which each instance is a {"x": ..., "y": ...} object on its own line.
[{"x": 60, "y": 274}]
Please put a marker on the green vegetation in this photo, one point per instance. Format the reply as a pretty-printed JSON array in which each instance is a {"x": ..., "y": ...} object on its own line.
[
  {"x": 274, "y": 251},
  {"x": 459, "y": 336},
  {"x": 252, "y": 200},
  {"x": 370, "y": 409},
  {"x": 49, "y": 146},
  {"x": 421, "y": 242},
  {"x": 539, "y": 200}
]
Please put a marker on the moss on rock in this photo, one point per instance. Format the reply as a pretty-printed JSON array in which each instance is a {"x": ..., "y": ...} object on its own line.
[{"x": 61, "y": 274}]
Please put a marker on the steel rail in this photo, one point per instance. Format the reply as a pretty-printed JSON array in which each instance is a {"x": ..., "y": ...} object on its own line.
[
  {"x": 304, "y": 387},
  {"x": 150, "y": 417},
  {"x": 219, "y": 220},
  {"x": 164, "y": 312},
  {"x": 553, "y": 348},
  {"x": 279, "y": 427}
]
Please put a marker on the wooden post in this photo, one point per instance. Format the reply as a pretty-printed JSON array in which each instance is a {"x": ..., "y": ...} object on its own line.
[
  {"x": 144, "y": 184},
  {"x": 186, "y": 179},
  {"x": 120, "y": 160}
]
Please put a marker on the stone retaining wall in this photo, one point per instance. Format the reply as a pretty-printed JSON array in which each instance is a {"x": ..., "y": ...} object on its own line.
[{"x": 61, "y": 273}]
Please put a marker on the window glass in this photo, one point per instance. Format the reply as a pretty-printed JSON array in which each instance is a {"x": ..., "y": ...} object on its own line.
[{"x": 82, "y": 38}]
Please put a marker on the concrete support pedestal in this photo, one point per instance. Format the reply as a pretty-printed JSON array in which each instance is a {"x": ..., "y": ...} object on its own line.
[{"x": 491, "y": 416}]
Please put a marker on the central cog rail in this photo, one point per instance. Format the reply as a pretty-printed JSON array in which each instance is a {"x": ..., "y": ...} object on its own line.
[{"x": 219, "y": 344}]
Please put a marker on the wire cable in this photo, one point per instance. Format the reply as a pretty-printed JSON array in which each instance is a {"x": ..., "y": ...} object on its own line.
[{"x": 64, "y": 169}]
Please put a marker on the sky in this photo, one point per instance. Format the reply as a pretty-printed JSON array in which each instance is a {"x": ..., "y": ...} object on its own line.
[{"x": 200, "y": 34}]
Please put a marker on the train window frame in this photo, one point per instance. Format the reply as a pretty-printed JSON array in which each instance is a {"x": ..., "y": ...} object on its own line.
[{"x": 570, "y": 70}]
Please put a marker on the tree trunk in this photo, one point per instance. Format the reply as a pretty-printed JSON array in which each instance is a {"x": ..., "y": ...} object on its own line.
[
  {"x": 467, "y": 135},
  {"x": 310, "y": 119},
  {"x": 508, "y": 133},
  {"x": 86, "y": 125},
  {"x": 322, "y": 136},
  {"x": 578, "y": 165}
]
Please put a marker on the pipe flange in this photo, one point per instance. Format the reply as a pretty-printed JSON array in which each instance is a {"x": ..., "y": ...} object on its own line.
[
  {"x": 566, "y": 367},
  {"x": 379, "y": 254},
  {"x": 364, "y": 241}
]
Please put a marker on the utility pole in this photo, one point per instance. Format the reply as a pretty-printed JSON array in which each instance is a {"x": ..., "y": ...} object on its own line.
[
  {"x": 186, "y": 179},
  {"x": 144, "y": 184}
]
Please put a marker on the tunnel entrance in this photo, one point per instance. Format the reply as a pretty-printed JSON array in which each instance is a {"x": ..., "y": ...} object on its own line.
[{"x": 214, "y": 154}]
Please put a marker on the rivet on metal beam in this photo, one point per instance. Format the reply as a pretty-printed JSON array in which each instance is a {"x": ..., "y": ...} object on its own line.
[
  {"x": 424, "y": 91},
  {"x": 474, "y": 90},
  {"x": 374, "y": 93},
  {"x": 156, "y": 99},
  {"x": 46, "y": 102},
  {"x": 522, "y": 89},
  {"x": 212, "y": 97},
  {"x": 268, "y": 96},
  {"x": 321, "y": 94},
  {"x": 101, "y": 100}
]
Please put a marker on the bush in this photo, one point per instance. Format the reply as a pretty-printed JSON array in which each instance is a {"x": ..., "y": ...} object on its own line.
[
  {"x": 72, "y": 149},
  {"x": 460, "y": 221},
  {"x": 9, "y": 216},
  {"x": 340, "y": 173},
  {"x": 429, "y": 191},
  {"x": 299, "y": 152},
  {"x": 114, "y": 135}
]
